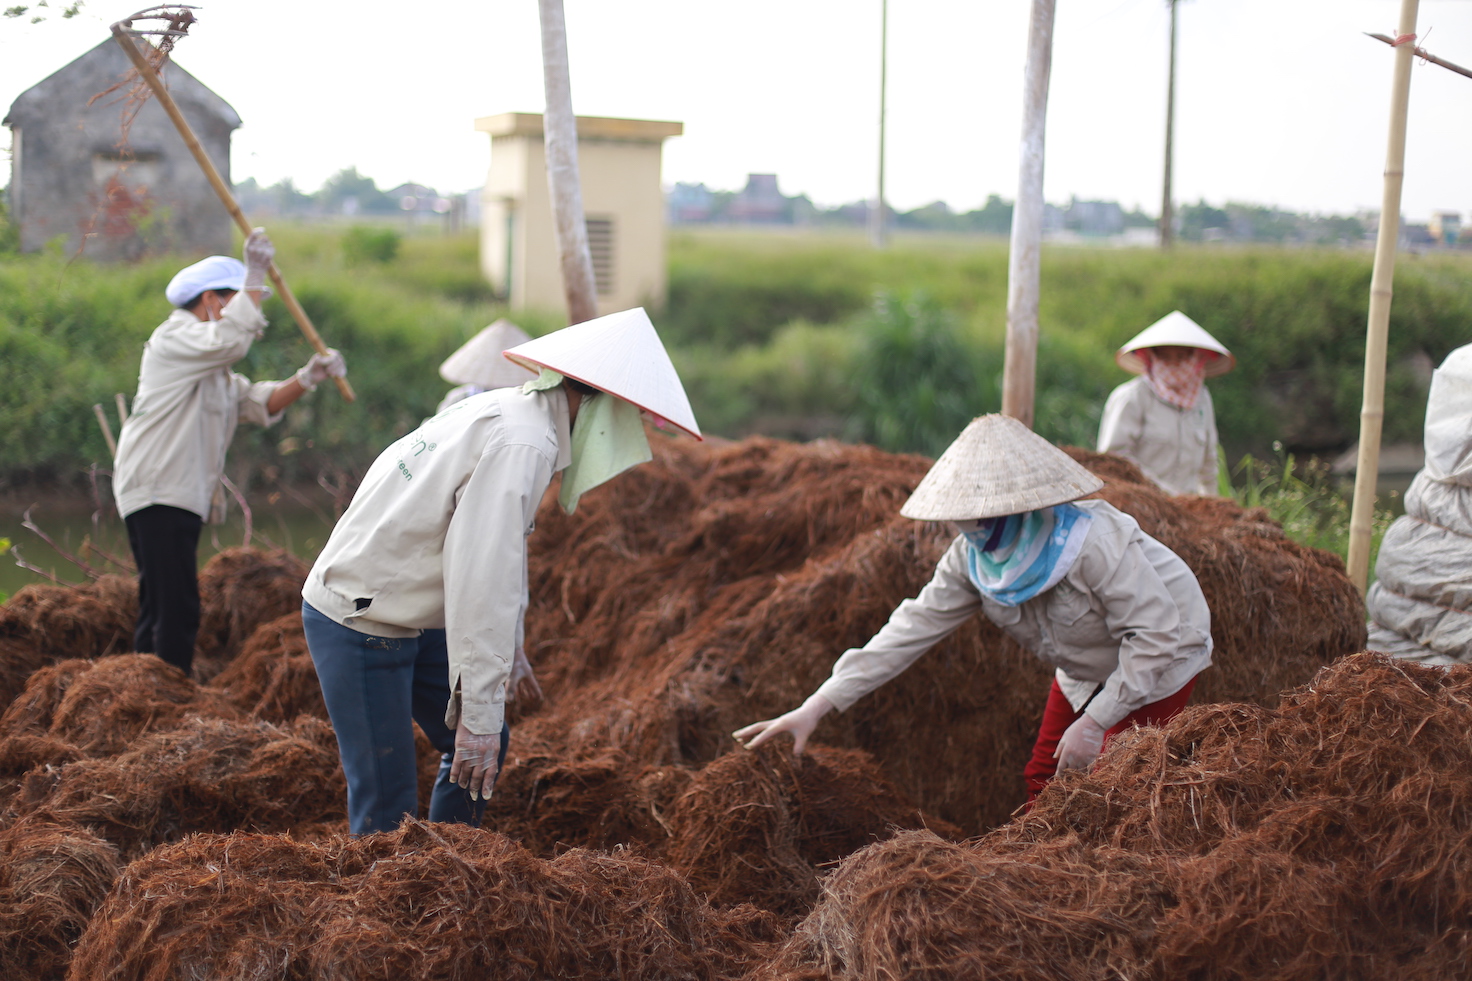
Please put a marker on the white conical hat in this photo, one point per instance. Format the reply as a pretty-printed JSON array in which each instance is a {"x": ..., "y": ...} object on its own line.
[
  {"x": 619, "y": 354},
  {"x": 997, "y": 466},
  {"x": 1175, "y": 328},
  {"x": 479, "y": 361}
]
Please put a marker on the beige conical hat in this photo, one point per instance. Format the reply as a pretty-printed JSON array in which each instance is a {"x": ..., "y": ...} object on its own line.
[
  {"x": 619, "y": 354},
  {"x": 479, "y": 361},
  {"x": 997, "y": 466},
  {"x": 1175, "y": 328}
]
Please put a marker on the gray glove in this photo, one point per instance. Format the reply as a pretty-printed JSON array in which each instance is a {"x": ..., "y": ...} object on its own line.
[
  {"x": 1081, "y": 744},
  {"x": 800, "y": 722},
  {"x": 523, "y": 682},
  {"x": 320, "y": 368},
  {"x": 258, "y": 255},
  {"x": 474, "y": 764}
]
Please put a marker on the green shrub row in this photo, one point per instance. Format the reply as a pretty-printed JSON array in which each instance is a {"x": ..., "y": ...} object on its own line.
[
  {"x": 1294, "y": 318},
  {"x": 791, "y": 334}
]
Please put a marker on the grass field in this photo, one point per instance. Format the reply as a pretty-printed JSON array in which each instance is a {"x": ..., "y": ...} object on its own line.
[{"x": 795, "y": 334}]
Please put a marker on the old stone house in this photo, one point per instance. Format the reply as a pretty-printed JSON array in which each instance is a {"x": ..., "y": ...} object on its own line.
[{"x": 72, "y": 179}]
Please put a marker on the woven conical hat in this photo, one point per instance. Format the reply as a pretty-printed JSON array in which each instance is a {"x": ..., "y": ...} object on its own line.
[
  {"x": 997, "y": 466},
  {"x": 1175, "y": 328},
  {"x": 619, "y": 354},
  {"x": 479, "y": 361}
]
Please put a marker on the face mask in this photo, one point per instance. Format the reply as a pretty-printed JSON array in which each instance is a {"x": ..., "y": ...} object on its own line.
[
  {"x": 607, "y": 439},
  {"x": 978, "y": 532}
]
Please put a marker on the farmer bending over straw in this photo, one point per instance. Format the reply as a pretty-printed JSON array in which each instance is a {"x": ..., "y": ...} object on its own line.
[
  {"x": 171, "y": 453},
  {"x": 414, "y": 610},
  {"x": 1119, "y": 615}
]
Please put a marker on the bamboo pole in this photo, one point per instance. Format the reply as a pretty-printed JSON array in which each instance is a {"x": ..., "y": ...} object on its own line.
[
  {"x": 120, "y": 32},
  {"x": 112, "y": 444},
  {"x": 1372, "y": 410},
  {"x": 1167, "y": 208},
  {"x": 560, "y": 131},
  {"x": 1019, "y": 374},
  {"x": 878, "y": 218},
  {"x": 1426, "y": 55},
  {"x": 122, "y": 404}
]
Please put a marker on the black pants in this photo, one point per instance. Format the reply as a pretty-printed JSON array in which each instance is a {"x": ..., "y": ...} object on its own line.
[{"x": 165, "y": 542}]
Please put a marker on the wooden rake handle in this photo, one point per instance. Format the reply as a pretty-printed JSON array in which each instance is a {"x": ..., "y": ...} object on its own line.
[{"x": 227, "y": 198}]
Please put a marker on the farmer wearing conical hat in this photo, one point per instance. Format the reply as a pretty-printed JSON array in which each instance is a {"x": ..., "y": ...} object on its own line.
[
  {"x": 413, "y": 611},
  {"x": 479, "y": 367},
  {"x": 1163, "y": 420},
  {"x": 171, "y": 452},
  {"x": 1118, "y": 614}
]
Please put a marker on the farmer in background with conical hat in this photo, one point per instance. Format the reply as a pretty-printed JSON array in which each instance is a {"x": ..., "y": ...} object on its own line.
[
  {"x": 436, "y": 538},
  {"x": 1164, "y": 420},
  {"x": 171, "y": 452},
  {"x": 1118, "y": 614},
  {"x": 479, "y": 367}
]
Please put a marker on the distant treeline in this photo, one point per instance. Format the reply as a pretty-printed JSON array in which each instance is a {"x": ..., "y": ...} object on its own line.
[
  {"x": 346, "y": 192},
  {"x": 761, "y": 203}
]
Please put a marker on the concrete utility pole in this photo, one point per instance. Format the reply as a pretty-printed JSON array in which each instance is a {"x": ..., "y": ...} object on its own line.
[
  {"x": 1372, "y": 408},
  {"x": 1167, "y": 210},
  {"x": 878, "y": 225},
  {"x": 560, "y": 131},
  {"x": 1019, "y": 376}
]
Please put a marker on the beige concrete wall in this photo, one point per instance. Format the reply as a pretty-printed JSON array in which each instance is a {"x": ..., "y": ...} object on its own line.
[{"x": 620, "y": 182}]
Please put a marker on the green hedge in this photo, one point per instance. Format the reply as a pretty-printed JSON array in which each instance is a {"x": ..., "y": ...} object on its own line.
[
  {"x": 1294, "y": 318},
  {"x": 793, "y": 334},
  {"x": 71, "y": 334}
]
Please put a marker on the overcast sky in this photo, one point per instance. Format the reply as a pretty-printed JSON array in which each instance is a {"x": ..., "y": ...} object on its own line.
[{"x": 1280, "y": 102}]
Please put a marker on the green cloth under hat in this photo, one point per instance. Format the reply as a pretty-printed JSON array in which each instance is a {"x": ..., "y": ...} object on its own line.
[{"x": 607, "y": 439}]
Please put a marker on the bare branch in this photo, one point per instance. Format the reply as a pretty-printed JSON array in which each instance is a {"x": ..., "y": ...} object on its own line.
[
  {"x": 15, "y": 551},
  {"x": 31, "y": 526}
]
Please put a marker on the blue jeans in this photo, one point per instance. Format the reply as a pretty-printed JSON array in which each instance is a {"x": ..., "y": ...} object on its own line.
[{"x": 374, "y": 687}]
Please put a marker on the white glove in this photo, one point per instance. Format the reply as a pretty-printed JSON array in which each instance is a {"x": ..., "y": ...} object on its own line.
[
  {"x": 801, "y": 722},
  {"x": 474, "y": 764},
  {"x": 522, "y": 675},
  {"x": 320, "y": 368},
  {"x": 258, "y": 255},
  {"x": 1081, "y": 744}
]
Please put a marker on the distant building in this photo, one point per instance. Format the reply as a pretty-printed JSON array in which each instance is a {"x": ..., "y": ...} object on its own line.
[
  {"x": 759, "y": 202},
  {"x": 1095, "y": 219},
  {"x": 1055, "y": 219},
  {"x": 1446, "y": 226},
  {"x": 623, "y": 202},
  {"x": 418, "y": 198},
  {"x": 1416, "y": 236},
  {"x": 689, "y": 203},
  {"x": 72, "y": 179}
]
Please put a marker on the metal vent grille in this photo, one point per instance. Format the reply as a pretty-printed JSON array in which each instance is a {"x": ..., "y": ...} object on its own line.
[{"x": 600, "y": 244}]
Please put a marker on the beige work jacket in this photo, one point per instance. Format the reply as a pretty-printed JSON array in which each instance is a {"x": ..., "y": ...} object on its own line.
[
  {"x": 1126, "y": 626},
  {"x": 172, "y": 448},
  {"x": 436, "y": 537},
  {"x": 1175, "y": 447}
]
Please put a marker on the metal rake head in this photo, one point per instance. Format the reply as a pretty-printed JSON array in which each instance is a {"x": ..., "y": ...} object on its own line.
[{"x": 175, "y": 20}]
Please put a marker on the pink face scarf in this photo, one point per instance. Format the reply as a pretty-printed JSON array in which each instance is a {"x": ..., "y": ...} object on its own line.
[{"x": 1178, "y": 383}]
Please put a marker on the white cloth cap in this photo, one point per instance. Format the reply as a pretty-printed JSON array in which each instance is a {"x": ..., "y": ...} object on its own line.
[
  {"x": 1175, "y": 329},
  {"x": 998, "y": 466},
  {"x": 620, "y": 354},
  {"x": 216, "y": 272},
  {"x": 479, "y": 361}
]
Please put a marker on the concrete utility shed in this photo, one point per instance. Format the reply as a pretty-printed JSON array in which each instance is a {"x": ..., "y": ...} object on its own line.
[
  {"x": 70, "y": 178},
  {"x": 623, "y": 201}
]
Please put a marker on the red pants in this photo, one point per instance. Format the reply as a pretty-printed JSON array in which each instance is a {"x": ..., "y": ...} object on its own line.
[{"x": 1058, "y": 715}]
